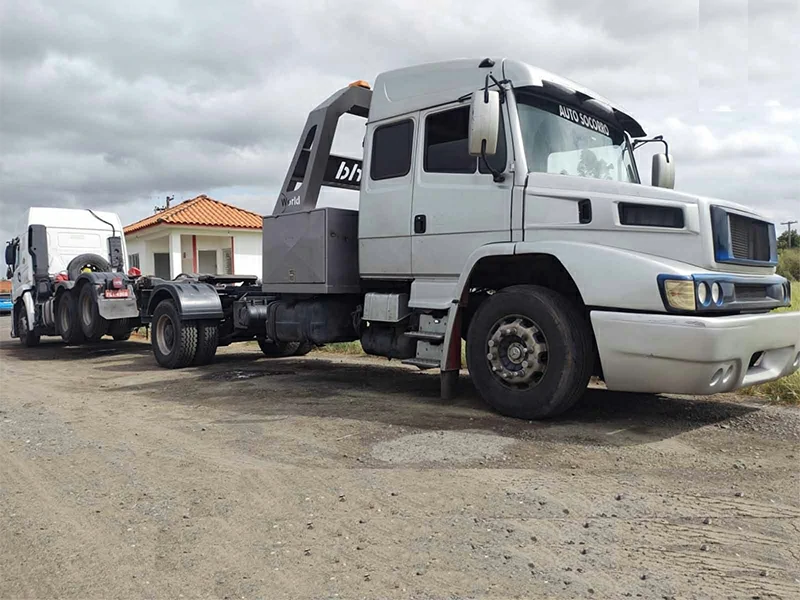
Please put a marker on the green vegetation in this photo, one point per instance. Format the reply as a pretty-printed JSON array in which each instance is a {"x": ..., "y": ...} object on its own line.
[{"x": 789, "y": 263}]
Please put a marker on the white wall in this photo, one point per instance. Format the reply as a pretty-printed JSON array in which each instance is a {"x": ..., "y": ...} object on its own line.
[
  {"x": 247, "y": 253},
  {"x": 246, "y": 256}
]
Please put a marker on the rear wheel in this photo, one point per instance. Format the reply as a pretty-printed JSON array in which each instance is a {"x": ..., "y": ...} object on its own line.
[
  {"x": 27, "y": 337},
  {"x": 68, "y": 323},
  {"x": 283, "y": 349},
  {"x": 120, "y": 330},
  {"x": 207, "y": 341},
  {"x": 174, "y": 341},
  {"x": 530, "y": 353},
  {"x": 93, "y": 325}
]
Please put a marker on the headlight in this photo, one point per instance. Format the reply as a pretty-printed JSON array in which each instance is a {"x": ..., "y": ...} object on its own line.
[
  {"x": 703, "y": 293},
  {"x": 716, "y": 293},
  {"x": 680, "y": 294}
]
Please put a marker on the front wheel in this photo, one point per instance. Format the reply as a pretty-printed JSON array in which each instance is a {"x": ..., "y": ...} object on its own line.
[
  {"x": 27, "y": 336},
  {"x": 174, "y": 341},
  {"x": 529, "y": 352}
]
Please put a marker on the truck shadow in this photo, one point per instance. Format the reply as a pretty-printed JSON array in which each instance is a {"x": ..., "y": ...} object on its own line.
[
  {"x": 325, "y": 388},
  {"x": 55, "y": 349}
]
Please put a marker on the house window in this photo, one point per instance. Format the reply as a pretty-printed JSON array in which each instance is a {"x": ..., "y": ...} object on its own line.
[
  {"x": 446, "y": 144},
  {"x": 391, "y": 150},
  {"x": 133, "y": 261}
]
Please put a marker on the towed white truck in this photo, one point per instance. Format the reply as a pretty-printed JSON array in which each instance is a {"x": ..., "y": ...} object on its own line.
[{"x": 67, "y": 271}]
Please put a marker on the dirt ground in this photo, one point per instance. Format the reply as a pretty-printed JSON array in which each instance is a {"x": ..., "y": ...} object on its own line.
[{"x": 327, "y": 477}]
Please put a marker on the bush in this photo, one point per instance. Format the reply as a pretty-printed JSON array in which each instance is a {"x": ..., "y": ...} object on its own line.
[{"x": 789, "y": 263}]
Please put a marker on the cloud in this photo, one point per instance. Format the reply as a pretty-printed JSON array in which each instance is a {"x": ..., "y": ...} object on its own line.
[{"x": 114, "y": 106}]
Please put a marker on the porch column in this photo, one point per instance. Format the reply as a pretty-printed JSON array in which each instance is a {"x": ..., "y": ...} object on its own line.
[{"x": 175, "y": 254}]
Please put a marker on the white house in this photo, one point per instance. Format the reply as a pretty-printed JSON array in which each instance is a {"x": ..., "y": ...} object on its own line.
[{"x": 201, "y": 235}]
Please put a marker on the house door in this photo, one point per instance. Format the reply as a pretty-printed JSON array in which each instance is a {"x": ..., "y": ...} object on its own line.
[
  {"x": 207, "y": 262},
  {"x": 161, "y": 265}
]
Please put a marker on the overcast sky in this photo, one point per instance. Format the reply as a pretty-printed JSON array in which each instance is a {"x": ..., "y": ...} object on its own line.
[{"x": 114, "y": 105}]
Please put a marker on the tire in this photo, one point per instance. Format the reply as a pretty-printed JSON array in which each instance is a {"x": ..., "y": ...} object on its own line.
[
  {"x": 174, "y": 341},
  {"x": 303, "y": 348},
  {"x": 93, "y": 325},
  {"x": 27, "y": 338},
  {"x": 283, "y": 349},
  {"x": 68, "y": 321},
  {"x": 207, "y": 341},
  {"x": 120, "y": 330},
  {"x": 542, "y": 352},
  {"x": 93, "y": 261}
]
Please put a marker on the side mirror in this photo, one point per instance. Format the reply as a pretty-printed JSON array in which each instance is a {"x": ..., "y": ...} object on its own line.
[
  {"x": 484, "y": 121},
  {"x": 10, "y": 254},
  {"x": 663, "y": 171}
]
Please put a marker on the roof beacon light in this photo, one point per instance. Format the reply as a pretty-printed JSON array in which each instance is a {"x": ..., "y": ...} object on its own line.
[{"x": 360, "y": 83}]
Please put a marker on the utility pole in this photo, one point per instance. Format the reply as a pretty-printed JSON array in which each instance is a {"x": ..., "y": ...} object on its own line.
[{"x": 789, "y": 229}]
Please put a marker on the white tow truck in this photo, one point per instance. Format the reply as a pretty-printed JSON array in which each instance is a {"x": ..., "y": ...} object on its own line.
[{"x": 501, "y": 205}]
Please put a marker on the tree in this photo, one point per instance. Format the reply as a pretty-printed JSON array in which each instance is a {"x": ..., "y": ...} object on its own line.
[{"x": 783, "y": 240}]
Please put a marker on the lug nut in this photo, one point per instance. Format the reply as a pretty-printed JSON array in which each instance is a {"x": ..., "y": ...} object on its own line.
[
  {"x": 505, "y": 375},
  {"x": 524, "y": 364},
  {"x": 491, "y": 343},
  {"x": 489, "y": 356}
]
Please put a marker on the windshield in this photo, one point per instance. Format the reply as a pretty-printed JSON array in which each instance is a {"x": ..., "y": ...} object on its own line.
[{"x": 562, "y": 140}]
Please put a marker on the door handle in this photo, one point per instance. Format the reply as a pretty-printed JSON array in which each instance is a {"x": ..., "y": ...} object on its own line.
[{"x": 420, "y": 224}]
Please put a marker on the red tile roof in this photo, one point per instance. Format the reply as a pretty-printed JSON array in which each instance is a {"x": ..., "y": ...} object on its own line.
[{"x": 201, "y": 211}]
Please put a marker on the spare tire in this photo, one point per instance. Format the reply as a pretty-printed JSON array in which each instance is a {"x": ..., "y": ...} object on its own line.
[{"x": 91, "y": 261}]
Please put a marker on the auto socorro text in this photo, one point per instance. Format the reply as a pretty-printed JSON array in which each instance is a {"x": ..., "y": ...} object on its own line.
[{"x": 582, "y": 119}]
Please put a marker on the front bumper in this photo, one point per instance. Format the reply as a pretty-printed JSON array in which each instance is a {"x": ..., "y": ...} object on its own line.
[{"x": 694, "y": 355}]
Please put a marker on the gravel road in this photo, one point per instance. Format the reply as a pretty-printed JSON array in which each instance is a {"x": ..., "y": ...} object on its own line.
[{"x": 326, "y": 477}]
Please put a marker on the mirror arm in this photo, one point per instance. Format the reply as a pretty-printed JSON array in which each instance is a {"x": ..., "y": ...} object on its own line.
[
  {"x": 658, "y": 138},
  {"x": 500, "y": 87},
  {"x": 497, "y": 176}
]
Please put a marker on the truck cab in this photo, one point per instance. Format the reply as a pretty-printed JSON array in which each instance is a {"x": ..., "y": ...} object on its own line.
[{"x": 503, "y": 205}]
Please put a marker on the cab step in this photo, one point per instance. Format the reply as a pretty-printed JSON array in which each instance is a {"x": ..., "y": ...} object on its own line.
[{"x": 428, "y": 336}]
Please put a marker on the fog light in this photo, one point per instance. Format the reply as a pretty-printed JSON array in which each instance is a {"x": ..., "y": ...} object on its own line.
[
  {"x": 716, "y": 293},
  {"x": 715, "y": 379},
  {"x": 680, "y": 294}
]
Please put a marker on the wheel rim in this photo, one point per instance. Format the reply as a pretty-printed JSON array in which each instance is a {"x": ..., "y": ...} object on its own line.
[
  {"x": 23, "y": 323},
  {"x": 165, "y": 334},
  {"x": 516, "y": 350}
]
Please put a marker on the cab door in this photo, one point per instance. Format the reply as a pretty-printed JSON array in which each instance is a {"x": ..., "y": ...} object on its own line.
[{"x": 457, "y": 206}]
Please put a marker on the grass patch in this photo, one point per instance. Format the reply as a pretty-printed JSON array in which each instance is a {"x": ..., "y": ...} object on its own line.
[
  {"x": 349, "y": 348},
  {"x": 787, "y": 389}
]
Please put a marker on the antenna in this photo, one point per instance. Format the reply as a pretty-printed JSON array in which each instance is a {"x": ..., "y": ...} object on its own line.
[{"x": 166, "y": 206}]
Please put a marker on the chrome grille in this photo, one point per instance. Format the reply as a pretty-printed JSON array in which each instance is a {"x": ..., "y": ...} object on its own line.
[{"x": 749, "y": 238}]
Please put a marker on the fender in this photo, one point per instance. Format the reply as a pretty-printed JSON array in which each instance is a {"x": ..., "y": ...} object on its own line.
[
  {"x": 586, "y": 264},
  {"x": 30, "y": 310},
  {"x": 194, "y": 300}
]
